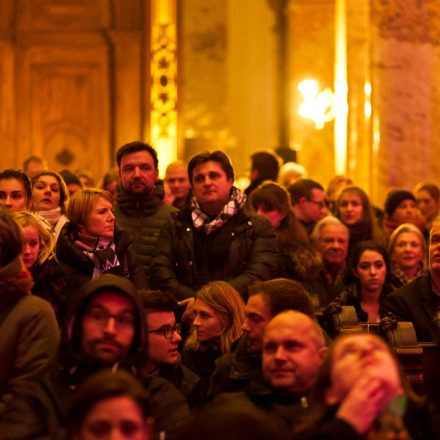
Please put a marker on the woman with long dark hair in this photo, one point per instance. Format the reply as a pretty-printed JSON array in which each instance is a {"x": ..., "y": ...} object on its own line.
[
  {"x": 354, "y": 209},
  {"x": 300, "y": 261},
  {"x": 370, "y": 267}
]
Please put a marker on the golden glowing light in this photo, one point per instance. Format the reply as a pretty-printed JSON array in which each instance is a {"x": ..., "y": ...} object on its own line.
[
  {"x": 341, "y": 88},
  {"x": 163, "y": 71},
  {"x": 316, "y": 105}
]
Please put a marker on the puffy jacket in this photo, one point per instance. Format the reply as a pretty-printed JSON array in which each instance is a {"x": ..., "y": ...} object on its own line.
[
  {"x": 142, "y": 216},
  {"x": 252, "y": 254}
]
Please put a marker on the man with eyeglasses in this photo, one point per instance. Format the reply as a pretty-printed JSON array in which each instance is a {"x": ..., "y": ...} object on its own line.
[
  {"x": 308, "y": 202},
  {"x": 163, "y": 337},
  {"x": 105, "y": 329}
]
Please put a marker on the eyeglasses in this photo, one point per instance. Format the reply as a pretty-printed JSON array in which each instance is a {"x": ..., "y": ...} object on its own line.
[
  {"x": 321, "y": 205},
  {"x": 101, "y": 317},
  {"x": 167, "y": 331}
]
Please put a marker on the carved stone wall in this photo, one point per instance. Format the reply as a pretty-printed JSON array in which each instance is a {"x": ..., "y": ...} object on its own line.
[
  {"x": 227, "y": 77},
  {"x": 72, "y": 80}
]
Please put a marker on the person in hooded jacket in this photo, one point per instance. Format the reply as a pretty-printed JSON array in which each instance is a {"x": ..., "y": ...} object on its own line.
[
  {"x": 29, "y": 338},
  {"x": 105, "y": 328},
  {"x": 90, "y": 245}
]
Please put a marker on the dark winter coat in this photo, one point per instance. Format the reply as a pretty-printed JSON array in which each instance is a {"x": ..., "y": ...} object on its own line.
[
  {"x": 234, "y": 370},
  {"x": 244, "y": 250},
  {"x": 142, "y": 216},
  {"x": 78, "y": 267},
  {"x": 416, "y": 302}
]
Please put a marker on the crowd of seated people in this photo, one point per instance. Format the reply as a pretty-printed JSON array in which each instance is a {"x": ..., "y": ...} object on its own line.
[{"x": 192, "y": 308}]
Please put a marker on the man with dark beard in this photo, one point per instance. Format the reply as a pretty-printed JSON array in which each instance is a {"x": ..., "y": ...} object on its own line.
[
  {"x": 105, "y": 329},
  {"x": 139, "y": 208}
]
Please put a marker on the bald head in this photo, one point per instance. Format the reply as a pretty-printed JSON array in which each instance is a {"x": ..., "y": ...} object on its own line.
[
  {"x": 176, "y": 176},
  {"x": 293, "y": 349}
]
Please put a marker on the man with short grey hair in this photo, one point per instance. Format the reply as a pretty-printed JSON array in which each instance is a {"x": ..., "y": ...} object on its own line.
[{"x": 331, "y": 238}]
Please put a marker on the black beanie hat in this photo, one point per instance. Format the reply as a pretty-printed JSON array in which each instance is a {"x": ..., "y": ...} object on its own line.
[{"x": 394, "y": 199}]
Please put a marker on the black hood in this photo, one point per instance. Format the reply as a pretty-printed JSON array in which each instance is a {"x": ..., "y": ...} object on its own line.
[{"x": 78, "y": 302}]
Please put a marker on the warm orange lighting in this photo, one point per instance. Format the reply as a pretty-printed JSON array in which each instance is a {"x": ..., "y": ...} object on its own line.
[
  {"x": 341, "y": 108},
  {"x": 163, "y": 70},
  {"x": 316, "y": 105}
]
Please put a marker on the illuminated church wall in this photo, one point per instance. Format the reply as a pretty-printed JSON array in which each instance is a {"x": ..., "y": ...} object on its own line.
[
  {"x": 75, "y": 82},
  {"x": 228, "y": 77}
]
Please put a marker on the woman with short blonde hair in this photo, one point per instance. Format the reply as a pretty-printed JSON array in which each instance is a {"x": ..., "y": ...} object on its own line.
[
  {"x": 407, "y": 250},
  {"x": 90, "y": 245}
]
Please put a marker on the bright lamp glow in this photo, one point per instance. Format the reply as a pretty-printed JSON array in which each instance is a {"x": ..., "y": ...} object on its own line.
[{"x": 316, "y": 105}]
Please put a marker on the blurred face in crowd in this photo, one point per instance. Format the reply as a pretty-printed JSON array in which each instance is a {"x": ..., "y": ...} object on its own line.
[
  {"x": 46, "y": 193},
  {"x": 406, "y": 212},
  {"x": 101, "y": 219},
  {"x": 138, "y": 172},
  {"x": 163, "y": 337},
  {"x": 313, "y": 208},
  {"x": 206, "y": 322},
  {"x": 350, "y": 208},
  {"x": 371, "y": 271},
  {"x": 257, "y": 317},
  {"x": 211, "y": 186},
  {"x": 408, "y": 251},
  {"x": 177, "y": 181},
  {"x": 33, "y": 168},
  {"x": 108, "y": 327},
  {"x": 118, "y": 418},
  {"x": 427, "y": 205},
  {"x": 434, "y": 250},
  {"x": 31, "y": 246},
  {"x": 13, "y": 195},
  {"x": 361, "y": 356},
  {"x": 73, "y": 188},
  {"x": 333, "y": 244},
  {"x": 274, "y": 216},
  {"x": 291, "y": 352}
]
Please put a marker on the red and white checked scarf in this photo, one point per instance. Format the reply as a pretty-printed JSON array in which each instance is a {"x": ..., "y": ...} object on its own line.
[{"x": 201, "y": 220}]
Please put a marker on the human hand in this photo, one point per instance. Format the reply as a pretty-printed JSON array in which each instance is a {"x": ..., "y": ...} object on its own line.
[
  {"x": 188, "y": 315},
  {"x": 363, "y": 403}
]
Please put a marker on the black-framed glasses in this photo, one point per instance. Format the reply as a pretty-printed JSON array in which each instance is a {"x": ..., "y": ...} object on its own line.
[
  {"x": 321, "y": 204},
  {"x": 100, "y": 317},
  {"x": 167, "y": 331}
]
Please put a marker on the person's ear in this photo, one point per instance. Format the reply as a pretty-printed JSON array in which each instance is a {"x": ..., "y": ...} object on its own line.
[
  {"x": 322, "y": 352},
  {"x": 302, "y": 201}
]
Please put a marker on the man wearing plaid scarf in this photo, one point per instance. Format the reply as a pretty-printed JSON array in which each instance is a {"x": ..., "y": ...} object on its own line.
[{"x": 212, "y": 237}]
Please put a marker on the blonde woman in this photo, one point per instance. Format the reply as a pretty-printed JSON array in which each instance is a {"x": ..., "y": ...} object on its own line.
[
  {"x": 407, "y": 251},
  {"x": 38, "y": 257},
  {"x": 89, "y": 244},
  {"x": 219, "y": 314}
]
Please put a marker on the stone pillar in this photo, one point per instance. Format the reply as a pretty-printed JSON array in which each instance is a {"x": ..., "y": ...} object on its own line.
[{"x": 406, "y": 97}]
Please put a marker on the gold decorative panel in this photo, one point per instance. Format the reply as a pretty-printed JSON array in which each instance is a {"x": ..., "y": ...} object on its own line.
[{"x": 64, "y": 105}]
